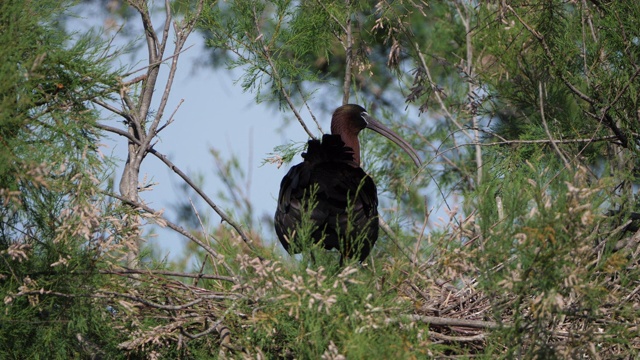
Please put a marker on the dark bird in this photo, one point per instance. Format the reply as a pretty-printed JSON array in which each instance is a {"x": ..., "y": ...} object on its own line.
[{"x": 345, "y": 211}]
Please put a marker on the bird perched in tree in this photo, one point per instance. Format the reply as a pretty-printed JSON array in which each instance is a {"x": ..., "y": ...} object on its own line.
[{"x": 339, "y": 199}]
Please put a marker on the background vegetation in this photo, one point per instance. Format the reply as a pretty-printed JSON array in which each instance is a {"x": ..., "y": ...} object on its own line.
[{"x": 516, "y": 239}]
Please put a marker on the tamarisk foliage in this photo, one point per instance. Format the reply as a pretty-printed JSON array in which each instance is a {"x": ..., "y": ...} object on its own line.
[{"x": 517, "y": 238}]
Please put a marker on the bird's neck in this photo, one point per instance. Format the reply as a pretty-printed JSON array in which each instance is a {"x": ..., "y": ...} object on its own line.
[{"x": 352, "y": 142}]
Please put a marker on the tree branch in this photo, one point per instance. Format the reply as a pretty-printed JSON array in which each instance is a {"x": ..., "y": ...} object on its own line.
[
  {"x": 174, "y": 227},
  {"x": 266, "y": 52},
  {"x": 443, "y": 321},
  {"x": 605, "y": 116},
  {"x": 186, "y": 178},
  {"x": 169, "y": 273},
  {"x": 348, "y": 51},
  {"x": 546, "y": 128}
]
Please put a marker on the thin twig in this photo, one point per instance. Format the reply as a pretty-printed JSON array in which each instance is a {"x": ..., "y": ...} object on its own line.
[
  {"x": 478, "y": 337},
  {"x": 174, "y": 227},
  {"x": 188, "y": 180},
  {"x": 546, "y": 128},
  {"x": 443, "y": 321},
  {"x": 111, "y": 294},
  {"x": 170, "y": 117},
  {"x": 306, "y": 104},
  {"x": 143, "y": 76},
  {"x": 204, "y": 196},
  {"x": 111, "y": 108},
  {"x": 206, "y": 235},
  {"x": 266, "y": 52},
  {"x": 471, "y": 90},
  {"x": 348, "y": 50},
  {"x": 169, "y": 273},
  {"x": 437, "y": 94},
  {"x": 198, "y": 335}
]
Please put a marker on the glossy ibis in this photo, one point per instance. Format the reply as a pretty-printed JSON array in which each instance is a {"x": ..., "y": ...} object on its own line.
[{"x": 345, "y": 212}]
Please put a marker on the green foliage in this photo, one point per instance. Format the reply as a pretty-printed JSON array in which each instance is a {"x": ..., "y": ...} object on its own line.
[
  {"x": 50, "y": 170},
  {"x": 582, "y": 72},
  {"x": 287, "y": 45},
  {"x": 284, "y": 154},
  {"x": 528, "y": 100},
  {"x": 315, "y": 313},
  {"x": 548, "y": 265},
  {"x": 270, "y": 40}
]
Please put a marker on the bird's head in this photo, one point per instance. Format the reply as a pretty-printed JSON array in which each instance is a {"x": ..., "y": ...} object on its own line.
[{"x": 348, "y": 120}]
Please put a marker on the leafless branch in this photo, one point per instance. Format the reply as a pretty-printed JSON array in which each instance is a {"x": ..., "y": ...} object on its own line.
[
  {"x": 204, "y": 196},
  {"x": 546, "y": 128},
  {"x": 154, "y": 304},
  {"x": 144, "y": 76},
  {"x": 443, "y": 321},
  {"x": 348, "y": 51},
  {"x": 169, "y": 273},
  {"x": 170, "y": 117},
  {"x": 186, "y": 178},
  {"x": 266, "y": 52},
  {"x": 206, "y": 237},
  {"x": 174, "y": 227},
  {"x": 437, "y": 335},
  {"x": 111, "y": 109},
  {"x": 443, "y": 107},
  {"x": 201, "y": 334},
  {"x": 466, "y": 20},
  {"x": 593, "y": 102},
  {"x": 113, "y": 294},
  {"x": 306, "y": 104}
]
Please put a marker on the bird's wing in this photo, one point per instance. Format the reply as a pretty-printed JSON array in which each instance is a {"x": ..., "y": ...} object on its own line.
[
  {"x": 345, "y": 197},
  {"x": 291, "y": 200},
  {"x": 348, "y": 199},
  {"x": 345, "y": 200}
]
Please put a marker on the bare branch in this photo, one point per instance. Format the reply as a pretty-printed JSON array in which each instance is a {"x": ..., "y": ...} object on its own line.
[
  {"x": 306, "y": 104},
  {"x": 348, "y": 51},
  {"x": 143, "y": 76},
  {"x": 471, "y": 88},
  {"x": 153, "y": 47},
  {"x": 153, "y": 304},
  {"x": 546, "y": 128},
  {"x": 204, "y": 196},
  {"x": 182, "y": 33},
  {"x": 443, "y": 321},
  {"x": 201, "y": 334},
  {"x": 186, "y": 178},
  {"x": 266, "y": 52},
  {"x": 438, "y": 97},
  {"x": 117, "y": 132},
  {"x": 111, "y": 109},
  {"x": 174, "y": 227},
  {"x": 169, "y": 273},
  {"x": 437, "y": 335},
  {"x": 170, "y": 117}
]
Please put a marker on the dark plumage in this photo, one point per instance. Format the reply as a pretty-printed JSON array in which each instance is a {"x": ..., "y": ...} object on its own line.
[
  {"x": 327, "y": 165},
  {"x": 346, "y": 210}
]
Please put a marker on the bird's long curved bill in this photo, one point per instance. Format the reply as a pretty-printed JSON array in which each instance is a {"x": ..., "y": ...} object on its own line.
[{"x": 377, "y": 126}]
